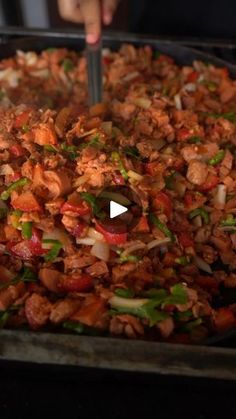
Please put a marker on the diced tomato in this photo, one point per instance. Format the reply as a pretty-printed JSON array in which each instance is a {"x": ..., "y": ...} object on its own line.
[
  {"x": 26, "y": 249},
  {"x": 80, "y": 208},
  {"x": 26, "y": 202},
  {"x": 188, "y": 199},
  {"x": 152, "y": 169},
  {"x": 118, "y": 179},
  {"x": 183, "y": 134},
  {"x": 207, "y": 283},
  {"x": 13, "y": 178},
  {"x": 17, "y": 150},
  {"x": 192, "y": 77},
  {"x": 165, "y": 59},
  {"x": 210, "y": 183},
  {"x": 112, "y": 238},
  {"x": 185, "y": 239},
  {"x": 22, "y": 118},
  {"x": 142, "y": 226},
  {"x": 106, "y": 60},
  {"x": 162, "y": 202},
  {"x": 224, "y": 319},
  {"x": 80, "y": 283},
  {"x": 169, "y": 259}
]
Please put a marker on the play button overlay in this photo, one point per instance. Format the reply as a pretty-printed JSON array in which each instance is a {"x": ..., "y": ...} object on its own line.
[
  {"x": 116, "y": 209},
  {"x": 121, "y": 209}
]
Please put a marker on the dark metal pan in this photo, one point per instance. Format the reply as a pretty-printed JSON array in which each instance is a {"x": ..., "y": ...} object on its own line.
[{"x": 110, "y": 353}]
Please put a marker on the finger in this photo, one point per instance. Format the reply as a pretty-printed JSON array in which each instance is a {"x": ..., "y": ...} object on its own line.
[
  {"x": 91, "y": 12},
  {"x": 70, "y": 10},
  {"x": 108, "y": 10}
]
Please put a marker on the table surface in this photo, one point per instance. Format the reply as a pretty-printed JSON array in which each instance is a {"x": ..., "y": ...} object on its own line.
[{"x": 36, "y": 392}]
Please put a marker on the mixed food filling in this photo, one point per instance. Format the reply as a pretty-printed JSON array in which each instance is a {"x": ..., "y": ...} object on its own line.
[{"x": 163, "y": 144}]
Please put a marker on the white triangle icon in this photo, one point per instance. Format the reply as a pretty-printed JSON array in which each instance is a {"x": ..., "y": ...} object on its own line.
[{"x": 116, "y": 209}]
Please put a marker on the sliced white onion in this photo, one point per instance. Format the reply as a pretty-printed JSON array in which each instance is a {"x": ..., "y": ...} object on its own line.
[
  {"x": 158, "y": 242},
  {"x": 131, "y": 76},
  {"x": 107, "y": 127},
  {"x": 133, "y": 248},
  {"x": 197, "y": 221},
  {"x": 6, "y": 169},
  {"x": 80, "y": 181},
  {"x": 117, "y": 302},
  {"x": 30, "y": 57},
  {"x": 87, "y": 241},
  {"x": 190, "y": 87},
  {"x": 41, "y": 74},
  {"x": 178, "y": 103},
  {"x": 201, "y": 264},
  {"x": 142, "y": 102},
  {"x": 106, "y": 52},
  {"x": 56, "y": 234},
  {"x": 85, "y": 134},
  {"x": 220, "y": 196},
  {"x": 11, "y": 76},
  {"x": 134, "y": 175},
  {"x": 94, "y": 234},
  {"x": 227, "y": 228},
  {"x": 101, "y": 250}
]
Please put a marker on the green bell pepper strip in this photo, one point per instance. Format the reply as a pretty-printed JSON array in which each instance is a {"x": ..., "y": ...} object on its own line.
[
  {"x": 67, "y": 65},
  {"x": 92, "y": 201},
  {"x": 200, "y": 211},
  {"x": 54, "y": 251},
  {"x": 155, "y": 220},
  {"x": 116, "y": 158},
  {"x": 26, "y": 230},
  {"x": 124, "y": 292},
  {"x": 230, "y": 221},
  {"x": 17, "y": 184},
  {"x": 217, "y": 158},
  {"x": 194, "y": 140},
  {"x": 183, "y": 260}
]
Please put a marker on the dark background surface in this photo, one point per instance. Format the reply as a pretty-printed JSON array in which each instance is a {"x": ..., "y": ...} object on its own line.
[{"x": 37, "y": 392}]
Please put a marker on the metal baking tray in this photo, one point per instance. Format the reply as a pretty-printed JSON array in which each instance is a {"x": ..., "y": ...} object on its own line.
[{"x": 103, "y": 352}]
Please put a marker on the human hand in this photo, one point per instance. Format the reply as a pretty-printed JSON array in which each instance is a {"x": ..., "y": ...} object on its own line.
[{"x": 89, "y": 12}]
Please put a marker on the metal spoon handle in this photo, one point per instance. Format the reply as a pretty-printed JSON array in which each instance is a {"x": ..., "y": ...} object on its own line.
[{"x": 94, "y": 63}]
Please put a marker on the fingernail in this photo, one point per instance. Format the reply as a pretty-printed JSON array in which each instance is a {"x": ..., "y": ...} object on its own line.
[
  {"x": 91, "y": 38},
  {"x": 107, "y": 18}
]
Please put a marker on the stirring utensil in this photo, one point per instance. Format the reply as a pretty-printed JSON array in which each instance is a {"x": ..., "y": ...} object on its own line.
[{"x": 94, "y": 63}]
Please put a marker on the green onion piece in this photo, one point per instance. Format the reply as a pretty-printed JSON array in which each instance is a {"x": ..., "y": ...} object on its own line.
[
  {"x": 211, "y": 85},
  {"x": 54, "y": 251},
  {"x": 27, "y": 230},
  {"x": 28, "y": 275},
  {"x": 194, "y": 140},
  {"x": 188, "y": 327},
  {"x": 183, "y": 260},
  {"x": 16, "y": 217},
  {"x": 129, "y": 258},
  {"x": 230, "y": 116},
  {"x": 92, "y": 201},
  {"x": 75, "y": 326},
  {"x": 4, "y": 316},
  {"x": 229, "y": 221},
  {"x": 169, "y": 180},
  {"x": 116, "y": 158},
  {"x": 217, "y": 158},
  {"x": 132, "y": 152},
  {"x": 25, "y": 128},
  {"x": 51, "y": 50},
  {"x": 50, "y": 148},
  {"x": 184, "y": 315},
  {"x": 19, "y": 183},
  {"x": 124, "y": 292},
  {"x": 178, "y": 295},
  {"x": 92, "y": 143},
  {"x": 67, "y": 65},
  {"x": 155, "y": 220},
  {"x": 202, "y": 212},
  {"x": 2, "y": 94},
  {"x": 3, "y": 213},
  {"x": 72, "y": 150}
]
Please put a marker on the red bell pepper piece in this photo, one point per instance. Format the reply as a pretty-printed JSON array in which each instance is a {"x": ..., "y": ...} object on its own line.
[
  {"x": 26, "y": 202},
  {"x": 118, "y": 179},
  {"x": 162, "y": 202},
  {"x": 224, "y": 319},
  {"x": 26, "y": 249},
  {"x": 17, "y": 150},
  {"x": 22, "y": 119},
  {"x": 210, "y": 183},
  {"x": 111, "y": 238},
  {"x": 185, "y": 239},
  {"x": 192, "y": 77},
  {"x": 80, "y": 283},
  {"x": 79, "y": 208},
  {"x": 183, "y": 134}
]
